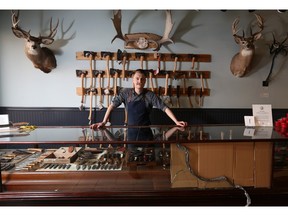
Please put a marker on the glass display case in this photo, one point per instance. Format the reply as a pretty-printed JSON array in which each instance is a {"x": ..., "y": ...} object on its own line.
[{"x": 159, "y": 165}]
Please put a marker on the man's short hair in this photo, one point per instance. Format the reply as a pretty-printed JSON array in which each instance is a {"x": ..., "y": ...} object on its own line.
[{"x": 144, "y": 72}]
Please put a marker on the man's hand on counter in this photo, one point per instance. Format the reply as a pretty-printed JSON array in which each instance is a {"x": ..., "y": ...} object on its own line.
[{"x": 98, "y": 125}]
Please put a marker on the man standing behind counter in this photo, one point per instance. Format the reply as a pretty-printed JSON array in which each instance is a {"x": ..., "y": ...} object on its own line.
[{"x": 138, "y": 102}]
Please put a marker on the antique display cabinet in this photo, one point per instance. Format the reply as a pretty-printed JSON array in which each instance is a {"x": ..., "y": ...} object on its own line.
[{"x": 215, "y": 165}]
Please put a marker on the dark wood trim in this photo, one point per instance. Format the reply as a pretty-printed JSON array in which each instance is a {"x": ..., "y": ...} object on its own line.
[
  {"x": 32, "y": 189},
  {"x": 71, "y": 116}
]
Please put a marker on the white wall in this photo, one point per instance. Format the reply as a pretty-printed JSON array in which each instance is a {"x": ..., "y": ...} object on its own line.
[{"x": 202, "y": 32}]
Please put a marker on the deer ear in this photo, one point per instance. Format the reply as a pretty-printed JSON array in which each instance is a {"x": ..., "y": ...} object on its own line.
[
  {"x": 257, "y": 36},
  {"x": 237, "y": 39},
  {"x": 18, "y": 33},
  {"x": 47, "y": 41}
]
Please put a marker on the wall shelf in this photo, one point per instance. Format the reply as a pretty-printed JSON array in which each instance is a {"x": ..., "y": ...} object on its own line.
[{"x": 169, "y": 75}]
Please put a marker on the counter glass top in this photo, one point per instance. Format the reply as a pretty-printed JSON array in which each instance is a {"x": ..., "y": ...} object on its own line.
[{"x": 153, "y": 134}]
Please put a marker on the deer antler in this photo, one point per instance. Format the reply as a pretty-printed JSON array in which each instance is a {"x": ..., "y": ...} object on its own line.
[
  {"x": 15, "y": 18},
  {"x": 117, "y": 24},
  {"x": 234, "y": 27},
  {"x": 142, "y": 40},
  {"x": 52, "y": 33},
  {"x": 259, "y": 23},
  {"x": 15, "y": 26},
  {"x": 235, "y": 30},
  {"x": 168, "y": 28}
]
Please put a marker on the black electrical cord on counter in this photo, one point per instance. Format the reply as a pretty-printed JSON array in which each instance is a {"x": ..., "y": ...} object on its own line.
[{"x": 220, "y": 178}]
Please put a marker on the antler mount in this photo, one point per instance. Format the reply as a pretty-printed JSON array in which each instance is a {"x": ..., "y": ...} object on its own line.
[{"x": 142, "y": 40}]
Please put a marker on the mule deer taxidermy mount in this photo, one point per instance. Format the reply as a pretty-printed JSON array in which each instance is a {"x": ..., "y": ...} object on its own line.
[
  {"x": 241, "y": 62},
  {"x": 41, "y": 57},
  {"x": 142, "y": 40}
]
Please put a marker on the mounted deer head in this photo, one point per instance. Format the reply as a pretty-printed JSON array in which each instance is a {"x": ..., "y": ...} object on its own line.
[
  {"x": 41, "y": 57},
  {"x": 142, "y": 40},
  {"x": 240, "y": 63}
]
